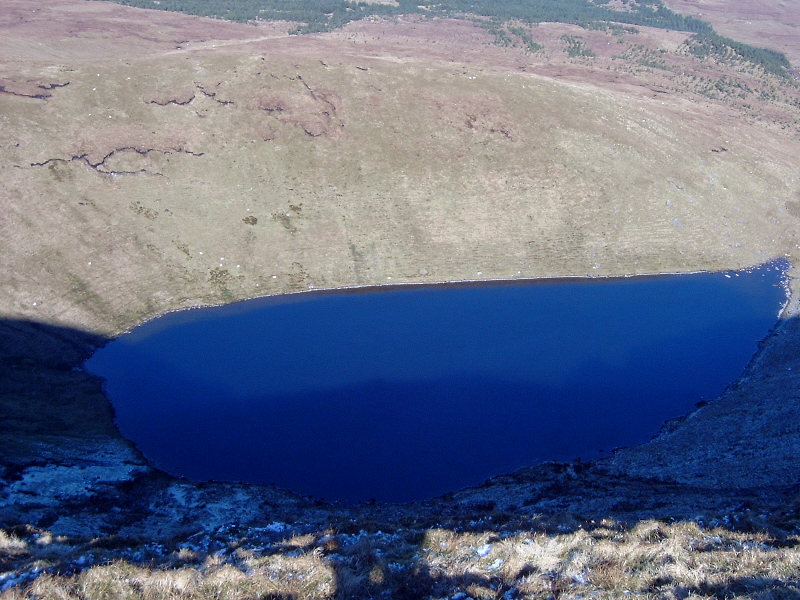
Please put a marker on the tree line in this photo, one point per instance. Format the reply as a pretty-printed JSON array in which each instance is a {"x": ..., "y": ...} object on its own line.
[
  {"x": 710, "y": 44},
  {"x": 326, "y": 15},
  {"x": 313, "y": 16}
]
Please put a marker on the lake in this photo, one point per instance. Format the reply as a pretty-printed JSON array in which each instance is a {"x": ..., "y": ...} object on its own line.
[{"x": 407, "y": 393}]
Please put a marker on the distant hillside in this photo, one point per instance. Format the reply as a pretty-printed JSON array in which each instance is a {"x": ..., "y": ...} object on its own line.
[
  {"x": 315, "y": 16},
  {"x": 324, "y": 15}
]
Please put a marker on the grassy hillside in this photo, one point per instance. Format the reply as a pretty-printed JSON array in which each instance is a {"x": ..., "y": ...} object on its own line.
[{"x": 223, "y": 174}]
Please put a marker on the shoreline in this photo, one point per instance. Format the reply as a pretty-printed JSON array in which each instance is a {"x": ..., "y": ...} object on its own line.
[
  {"x": 288, "y": 296},
  {"x": 783, "y": 264}
]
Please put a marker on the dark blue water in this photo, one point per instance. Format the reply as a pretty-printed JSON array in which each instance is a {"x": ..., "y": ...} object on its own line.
[{"x": 405, "y": 394}]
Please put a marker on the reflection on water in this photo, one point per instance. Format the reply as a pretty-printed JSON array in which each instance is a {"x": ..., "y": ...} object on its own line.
[{"x": 405, "y": 394}]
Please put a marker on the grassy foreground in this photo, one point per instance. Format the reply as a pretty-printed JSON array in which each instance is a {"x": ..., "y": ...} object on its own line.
[{"x": 608, "y": 560}]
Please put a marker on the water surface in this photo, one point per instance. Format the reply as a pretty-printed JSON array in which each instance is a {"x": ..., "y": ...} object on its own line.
[{"x": 405, "y": 394}]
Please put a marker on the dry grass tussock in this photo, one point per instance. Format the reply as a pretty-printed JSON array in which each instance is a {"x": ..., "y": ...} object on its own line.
[
  {"x": 650, "y": 560},
  {"x": 11, "y": 545},
  {"x": 300, "y": 577}
]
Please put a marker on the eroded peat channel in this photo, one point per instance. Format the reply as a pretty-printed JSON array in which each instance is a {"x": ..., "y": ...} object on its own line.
[{"x": 404, "y": 394}]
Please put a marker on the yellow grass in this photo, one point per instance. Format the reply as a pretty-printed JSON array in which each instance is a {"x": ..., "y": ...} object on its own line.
[{"x": 651, "y": 559}]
